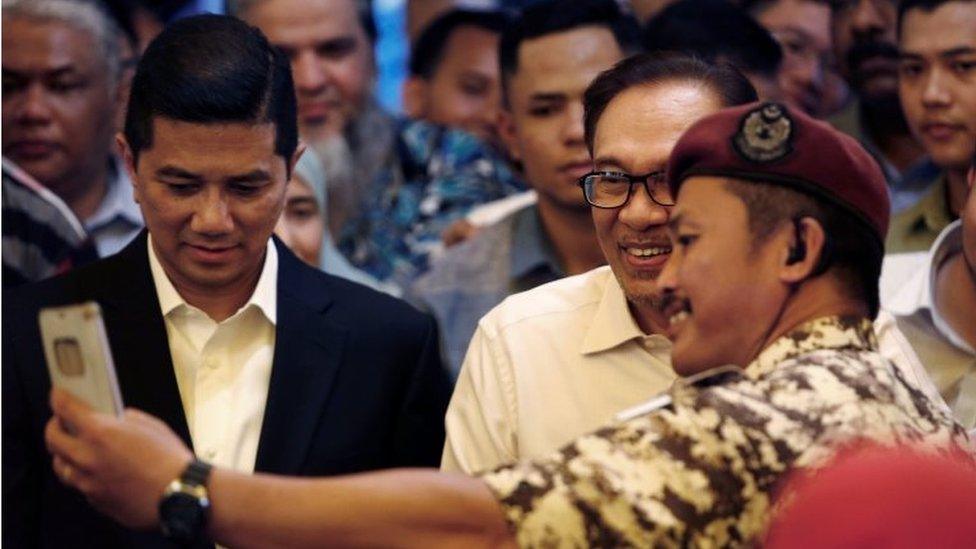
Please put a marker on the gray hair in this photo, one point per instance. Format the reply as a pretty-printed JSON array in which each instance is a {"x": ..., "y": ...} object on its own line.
[{"x": 84, "y": 15}]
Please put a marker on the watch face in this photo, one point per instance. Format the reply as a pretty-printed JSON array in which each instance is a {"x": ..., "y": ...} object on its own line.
[{"x": 182, "y": 516}]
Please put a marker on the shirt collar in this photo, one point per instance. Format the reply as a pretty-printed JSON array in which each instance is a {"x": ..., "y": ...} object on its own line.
[
  {"x": 532, "y": 248},
  {"x": 118, "y": 202},
  {"x": 613, "y": 324},
  {"x": 918, "y": 293},
  {"x": 264, "y": 297},
  {"x": 829, "y": 332}
]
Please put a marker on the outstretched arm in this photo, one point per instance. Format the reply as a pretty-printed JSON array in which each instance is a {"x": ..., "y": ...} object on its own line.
[{"x": 123, "y": 465}]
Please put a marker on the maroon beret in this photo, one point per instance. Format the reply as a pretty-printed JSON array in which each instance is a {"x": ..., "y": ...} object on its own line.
[{"x": 772, "y": 143}]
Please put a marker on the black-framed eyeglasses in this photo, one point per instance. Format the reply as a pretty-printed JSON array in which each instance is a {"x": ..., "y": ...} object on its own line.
[{"x": 613, "y": 189}]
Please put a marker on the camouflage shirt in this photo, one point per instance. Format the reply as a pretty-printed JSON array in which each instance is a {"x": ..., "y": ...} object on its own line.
[{"x": 700, "y": 469}]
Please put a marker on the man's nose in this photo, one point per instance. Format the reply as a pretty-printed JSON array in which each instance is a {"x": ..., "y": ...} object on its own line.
[
  {"x": 936, "y": 93},
  {"x": 572, "y": 133},
  {"x": 35, "y": 106},
  {"x": 641, "y": 212},
  {"x": 867, "y": 18},
  {"x": 309, "y": 74},
  {"x": 212, "y": 216},
  {"x": 667, "y": 280}
]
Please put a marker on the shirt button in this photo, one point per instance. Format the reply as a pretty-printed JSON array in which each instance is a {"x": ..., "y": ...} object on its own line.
[
  {"x": 210, "y": 363},
  {"x": 210, "y": 454}
]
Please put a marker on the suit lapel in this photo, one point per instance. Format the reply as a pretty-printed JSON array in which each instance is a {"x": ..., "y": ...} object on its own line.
[
  {"x": 307, "y": 356},
  {"x": 137, "y": 336}
]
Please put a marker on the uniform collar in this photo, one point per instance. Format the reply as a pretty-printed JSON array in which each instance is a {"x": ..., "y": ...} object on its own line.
[
  {"x": 830, "y": 332},
  {"x": 613, "y": 324},
  {"x": 264, "y": 297}
]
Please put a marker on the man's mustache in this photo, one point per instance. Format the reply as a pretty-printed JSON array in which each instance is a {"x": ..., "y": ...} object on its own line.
[{"x": 866, "y": 50}]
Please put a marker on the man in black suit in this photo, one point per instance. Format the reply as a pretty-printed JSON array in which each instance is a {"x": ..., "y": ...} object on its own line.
[{"x": 258, "y": 361}]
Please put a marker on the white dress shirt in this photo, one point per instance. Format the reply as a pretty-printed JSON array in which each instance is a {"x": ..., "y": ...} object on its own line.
[
  {"x": 908, "y": 293},
  {"x": 223, "y": 369},
  {"x": 548, "y": 365}
]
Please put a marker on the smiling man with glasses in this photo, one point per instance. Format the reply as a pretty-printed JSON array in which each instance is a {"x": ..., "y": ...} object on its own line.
[{"x": 559, "y": 360}]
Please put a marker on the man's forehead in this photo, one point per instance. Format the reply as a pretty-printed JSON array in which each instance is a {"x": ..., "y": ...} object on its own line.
[
  {"x": 46, "y": 45},
  {"x": 951, "y": 26},
  {"x": 576, "y": 54},
  {"x": 301, "y": 22}
]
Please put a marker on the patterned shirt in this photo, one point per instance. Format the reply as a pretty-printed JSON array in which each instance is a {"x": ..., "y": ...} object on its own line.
[
  {"x": 435, "y": 175},
  {"x": 699, "y": 470}
]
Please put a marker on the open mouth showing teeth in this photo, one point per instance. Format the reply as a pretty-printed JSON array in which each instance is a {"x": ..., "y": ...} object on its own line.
[
  {"x": 678, "y": 317},
  {"x": 648, "y": 252}
]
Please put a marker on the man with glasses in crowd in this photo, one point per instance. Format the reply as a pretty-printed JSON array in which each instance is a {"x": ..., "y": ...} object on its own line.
[{"x": 554, "y": 362}]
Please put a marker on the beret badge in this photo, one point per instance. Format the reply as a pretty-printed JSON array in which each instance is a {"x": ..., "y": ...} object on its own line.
[{"x": 765, "y": 134}]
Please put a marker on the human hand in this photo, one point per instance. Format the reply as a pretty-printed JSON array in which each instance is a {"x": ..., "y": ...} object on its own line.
[
  {"x": 121, "y": 464},
  {"x": 458, "y": 232}
]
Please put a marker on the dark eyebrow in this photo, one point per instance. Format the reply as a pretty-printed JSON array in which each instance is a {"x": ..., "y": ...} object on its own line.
[
  {"x": 674, "y": 221},
  {"x": 254, "y": 176},
  {"x": 547, "y": 96},
  {"x": 961, "y": 50},
  {"x": 173, "y": 171}
]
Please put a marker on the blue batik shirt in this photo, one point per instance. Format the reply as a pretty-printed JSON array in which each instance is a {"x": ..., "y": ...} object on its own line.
[{"x": 435, "y": 176}]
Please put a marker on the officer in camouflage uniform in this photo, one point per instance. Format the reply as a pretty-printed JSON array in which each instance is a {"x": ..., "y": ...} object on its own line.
[
  {"x": 787, "y": 309},
  {"x": 698, "y": 465}
]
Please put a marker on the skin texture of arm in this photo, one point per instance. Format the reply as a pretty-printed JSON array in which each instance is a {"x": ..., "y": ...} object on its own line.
[{"x": 123, "y": 464}]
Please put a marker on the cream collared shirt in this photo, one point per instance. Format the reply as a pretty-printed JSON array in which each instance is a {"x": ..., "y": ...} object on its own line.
[
  {"x": 548, "y": 365},
  {"x": 223, "y": 369},
  {"x": 908, "y": 293}
]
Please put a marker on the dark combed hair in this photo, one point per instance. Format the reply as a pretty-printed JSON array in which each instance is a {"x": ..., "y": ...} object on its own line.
[
  {"x": 928, "y": 6},
  {"x": 429, "y": 49},
  {"x": 714, "y": 30},
  {"x": 647, "y": 69},
  {"x": 212, "y": 69},
  {"x": 554, "y": 16},
  {"x": 853, "y": 252}
]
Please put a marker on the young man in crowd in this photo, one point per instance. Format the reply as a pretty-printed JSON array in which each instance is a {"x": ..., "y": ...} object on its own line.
[
  {"x": 61, "y": 95},
  {"x": 809, "y": 76},
  {"x": 542, "y": 126},
  {"x": 720, "y": 31},
  {"x": 394, "y": 185},
  {"x": 454, "y": 72},
  {"x": 866, "y": 50},
  {"x": 767, "y": 199},
  {"x": 937, "y": 86},
  {"x": 552, "y": 363},
  {"x": 257, "y": 360}
]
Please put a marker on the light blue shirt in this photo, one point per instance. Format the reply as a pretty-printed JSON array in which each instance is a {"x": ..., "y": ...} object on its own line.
[{"x": 118, "y": 218}]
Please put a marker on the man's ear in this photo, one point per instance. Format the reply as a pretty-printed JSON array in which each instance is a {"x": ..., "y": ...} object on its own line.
[
  {"x": 128, "y": 160},
  {"x": 508, "y": 134},
  {"x": 805, "y": 242},
  {"x": 415, "y": 97}
]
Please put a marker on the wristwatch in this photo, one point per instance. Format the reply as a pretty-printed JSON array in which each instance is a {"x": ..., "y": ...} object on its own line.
[{"x": 185, "y": 506}]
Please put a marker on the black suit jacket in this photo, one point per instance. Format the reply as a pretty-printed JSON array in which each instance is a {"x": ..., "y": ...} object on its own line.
[{"x": 356, "y": 384}]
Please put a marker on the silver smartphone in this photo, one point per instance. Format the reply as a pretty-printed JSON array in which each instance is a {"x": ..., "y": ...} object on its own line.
[{"x": 78, "y": 356}]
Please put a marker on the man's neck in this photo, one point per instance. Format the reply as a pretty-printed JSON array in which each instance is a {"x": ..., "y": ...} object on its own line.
[
  {"x": 85, "y": 192},
  {"x": 815, "y": 298},
  {"x": 955, "y": 297},
  {"x": 889, "y": 131},
  {"x": 217, "y": 302},
  {"x": 572, "y": 235}
]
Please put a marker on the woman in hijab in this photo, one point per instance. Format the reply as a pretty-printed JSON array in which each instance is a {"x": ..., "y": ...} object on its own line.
[{"x": 302, "y": 226}]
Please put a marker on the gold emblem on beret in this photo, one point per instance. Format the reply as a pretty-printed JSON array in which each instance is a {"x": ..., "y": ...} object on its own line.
[{"x": 765, "y": 134}]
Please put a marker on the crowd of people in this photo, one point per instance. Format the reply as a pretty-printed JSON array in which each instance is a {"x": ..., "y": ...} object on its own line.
[{"x": 628, "y": 273}]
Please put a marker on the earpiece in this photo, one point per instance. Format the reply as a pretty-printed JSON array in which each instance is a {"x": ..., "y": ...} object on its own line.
[{"x": 798, "y": 252}]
